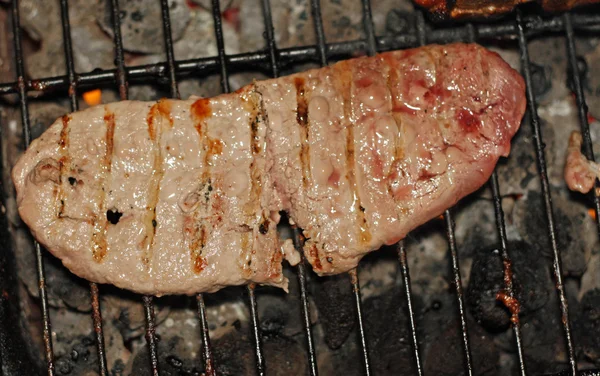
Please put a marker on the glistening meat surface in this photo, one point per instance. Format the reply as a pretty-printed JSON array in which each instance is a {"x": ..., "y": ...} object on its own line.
[{"x": 183, "y": 196}]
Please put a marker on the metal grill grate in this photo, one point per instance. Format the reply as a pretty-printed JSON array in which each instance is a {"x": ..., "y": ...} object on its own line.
[{"x": 273, "y": 58}]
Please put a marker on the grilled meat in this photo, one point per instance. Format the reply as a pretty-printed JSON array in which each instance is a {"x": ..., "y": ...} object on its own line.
[
  {"x": 183, "y": 196},
  {"x": 580, "y": 173},
  {"x": 486, "y": 8}
]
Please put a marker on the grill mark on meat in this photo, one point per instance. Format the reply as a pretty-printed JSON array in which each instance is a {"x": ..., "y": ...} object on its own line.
[
  {"x": 314, "y": 254},
  {"x": 162, "y": 108},
  {"x": 63, "y": 164},
  {"x": 195, "y": 227},
  {"x": 252, "y": 208},
  {"x": 363, "y": 228},
  {"x": 302, "y": 120},
  {"x": 398, "y": 139},
  {"x": 100, "y": 221}
]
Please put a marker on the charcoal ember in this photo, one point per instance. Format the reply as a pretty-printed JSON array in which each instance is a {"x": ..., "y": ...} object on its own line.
[
  {"x": 92, "y": 48},
  {"x": 399, "y": 21},
  {"x": 587, "y": 327},
  {"x": 531, "y": 284},
  {"x": 544, "y": 340},
  {"x": 518, "y": 173},
  {"x": 139, "y": 20},
  {"x": 82, "y": 358},
  {"x": 127, "y": 312},
  {"x": 287, "y": 356},
  {"x": 379, "y": 272},
  {"x": 575, "y": 231},
  {"x": 198, "y": 39},
  {"x": 386, "y": 327},
  {"x": 335, "y": 302},
  {"x": 475, "y": 224},
  {"x": 549, "y": 69},
  {"x": 444, "y": 357},
  {"x": 281, "y": 313},
  {"x": 172, "y": 360}
]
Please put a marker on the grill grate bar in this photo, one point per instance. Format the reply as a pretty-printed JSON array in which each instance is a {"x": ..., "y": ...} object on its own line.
[
  {"x": 315, "y": 8},
  {"x": 168, "y": 39},
  {"x": 459, "y": 290},
  {"x": 296, "y": 238},
  {"x": 541, "y": 160},
  {"x": 306, "y": 53},
  {"x": 207, "y": 355},
  {"x": 150, "y": 333},
  {"x": 581, "y": 106},
  {"x": 21, "y": 89},
  {"x": 301, "y": 269},
  {"x": 121, "y": 78},
  {"x": 506, "y": 260},
  {"x": 121, "y": 73},
  {"x": 95, "y": 298},
  {"x": 361, "y": 328},
  {"x": 302, "y": 54},
  {"x": 411, "y": 314},
  {"x": 270, "y": 36},
  {"x": 422, "y": 37},
  {"x": 508, "y": 276},
  {"x": 256, "y": 333}
]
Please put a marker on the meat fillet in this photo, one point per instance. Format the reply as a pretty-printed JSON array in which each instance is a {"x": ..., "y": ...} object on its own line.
[
  {"x": 486, "y": 8},
  {"x": 184, "y": 196}
]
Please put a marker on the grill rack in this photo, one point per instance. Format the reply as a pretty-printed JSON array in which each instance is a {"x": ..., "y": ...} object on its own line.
[{"x": 274, "y": 59}]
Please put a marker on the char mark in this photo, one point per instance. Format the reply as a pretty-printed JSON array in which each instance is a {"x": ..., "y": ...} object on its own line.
[
  {"x": 302, "y": 119},
  {"x": 100, "y": 221},
  {"x": 196, "y": 229},
  {"x": 364, "y": 234},
  {"x": 63, "y": 163}
]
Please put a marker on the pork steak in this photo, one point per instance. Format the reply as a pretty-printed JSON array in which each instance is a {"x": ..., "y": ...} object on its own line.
[{"x": 184, "y": 196}]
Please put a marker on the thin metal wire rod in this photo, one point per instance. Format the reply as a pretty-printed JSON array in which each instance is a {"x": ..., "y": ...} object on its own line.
[
  {"x": 216, "y": 11},
  {"x": 270, "y": 36},
  {"x": 298, "y": 55},
  {"x": 168, "y": 38},
  {"x": 19, "y": 63},
  {"x": 121, "y": 74},
  {"x": 312, "y": 356},
  {"x": 369, "y": 28},
  {"x": 68, "y": 47},
  {"x": 256, "y": 332},
  {"x": 209, "y": 364},
  {"x": 422, "y": 37},
  {"x": 315, "y": 9},
  {"x": 508, "y": 276},
  {"x": 582, "y": 108},
  {"x": 95, "y": 300},
  {"x": 541, "y": 160},
  {"x": 361, "y": 327},
  {"x": 207, "y": 356},
  {"x": 301, "y": 272},
  {"x": 459, "y": 291},
  {"x": 151, "y": 333},
  {"x": 411, "y": 314}
]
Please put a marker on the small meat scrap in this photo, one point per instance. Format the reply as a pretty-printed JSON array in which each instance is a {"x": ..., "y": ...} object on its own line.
[
  {"x": 580, "y": 173},
  {"x": 184, "y": 196}
]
